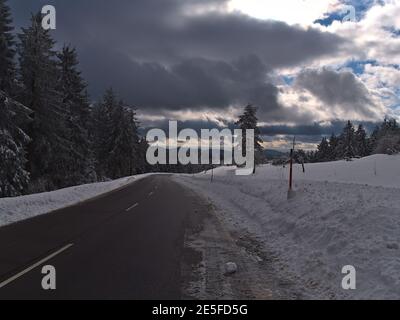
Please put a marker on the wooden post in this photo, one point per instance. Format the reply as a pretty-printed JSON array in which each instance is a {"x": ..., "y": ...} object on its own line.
[
  {"x": 291, "y": 171},
  {"x": 291, "y": 166}
]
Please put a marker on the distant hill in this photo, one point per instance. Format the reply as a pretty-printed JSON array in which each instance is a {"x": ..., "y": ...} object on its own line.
[{"x": 274, "y": 154}]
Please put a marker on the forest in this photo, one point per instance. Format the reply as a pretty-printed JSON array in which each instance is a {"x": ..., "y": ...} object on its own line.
[
  {"x": 355, "y": 143},
  {"x": 51, "y": 135}
]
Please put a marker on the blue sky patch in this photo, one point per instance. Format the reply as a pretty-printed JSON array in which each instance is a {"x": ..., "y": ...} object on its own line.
[
  {"x": 394, "y": 32},
  {"x": 361, "y": 8},
  {"x": 288, "y": 80},
  {"x": 358, "y": 66}
]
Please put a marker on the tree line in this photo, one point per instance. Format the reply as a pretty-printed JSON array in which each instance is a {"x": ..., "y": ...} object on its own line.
[
  {"x": 355, "y": 142},
  {"x": 51, "y": 136}
]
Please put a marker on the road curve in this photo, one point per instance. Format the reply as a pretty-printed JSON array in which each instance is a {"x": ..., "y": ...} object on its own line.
[{"x": 127, "y": 244}]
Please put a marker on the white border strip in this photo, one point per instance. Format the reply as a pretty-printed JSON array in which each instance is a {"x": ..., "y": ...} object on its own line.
[
  {"x": 20, "y": 274},
  {"x": 134, "y": 206}
]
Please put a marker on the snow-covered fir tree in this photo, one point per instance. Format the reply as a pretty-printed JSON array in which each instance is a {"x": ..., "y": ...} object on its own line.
[
  {"x": 14, "y": 117},
  {"x": 101, "y": 128},
  {"x": 386, "y": 138},
  {"x": 49, "y": 151},
  {"x": 7, "y": 49},
  {"x": 142, "y": 165},
  {"x": 333, "y": 145},
  {"x": 346, "y": 147},
  {"x": 323, "y": 151},
  {"x": 116, "y": 139},
  {"x": 14, "y": 177},
  {"x": 249, "y": 120},
  {"x": 361, "y": 142},
  {"x": 72, "y": 89},
  {"x": 125, "y": 142}
]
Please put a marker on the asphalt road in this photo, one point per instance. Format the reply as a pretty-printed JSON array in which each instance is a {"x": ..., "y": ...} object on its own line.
[{"x": 127, "y": 244}]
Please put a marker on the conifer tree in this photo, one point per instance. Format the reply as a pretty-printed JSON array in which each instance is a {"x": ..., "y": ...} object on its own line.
[
  {"x": 101, "y": 127},
  {"x": 72, "y": 88},
  {"x": 14, "y": 117},
  {"x": 386, "y": 138},
  {"x": 346, "y": 147},
  {"x": 125, "y": 142},
  {"x": 49, "y": 149},
  {"x": 7, "y": 50},
  {"x": 361, "y": 141},
  {"x": 333, "y": 145},
  {"x": 323, "y": 152},
  {"x": 249, "y": 120},
  {"x": 14, "y": 177},
  {"x": 116, "y": 138},
  {"x": 142, "y": 165}
]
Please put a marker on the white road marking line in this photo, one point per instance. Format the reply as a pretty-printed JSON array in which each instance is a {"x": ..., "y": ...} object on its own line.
[
  {"x": 20, "y": 274},
  {"x": 151, "y": 193},
  {"x": 134, "y": 206}
]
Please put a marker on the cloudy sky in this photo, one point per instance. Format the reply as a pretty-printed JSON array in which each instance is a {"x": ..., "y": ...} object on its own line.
[{"x": 302, "y": 62}]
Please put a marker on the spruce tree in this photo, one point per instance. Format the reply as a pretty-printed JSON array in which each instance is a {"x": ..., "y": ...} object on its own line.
[
  {"x": 361, "y": 142},
  {"x": 386, "y": 138},
  {"x": 101, "y": 128},
  {"x": 14, "y": 177},
  {"x": 323, "y": 151},
  {"x": 71, "y": 86},
  {"x": 249, "y": 120},
  {"x": 14, "y": 117},
  {"x": 142, "y": 165},
  {"x": 7, "y": 50},
  {"x": 333, "y": 145},
  {"x": 116, "y": 141},
  {"x": 373, "y": 140},
  {"x": 49, "y": 149},
  {"x": 346, "y": 147},
  {"x": 125, "y": 142}
]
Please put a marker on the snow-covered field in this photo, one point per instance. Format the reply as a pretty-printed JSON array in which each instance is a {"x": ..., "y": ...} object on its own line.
[
  {"x": 20, "y": 208},
  {"x": 344, "y": 213}
]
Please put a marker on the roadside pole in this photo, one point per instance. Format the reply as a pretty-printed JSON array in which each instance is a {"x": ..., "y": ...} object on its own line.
[
  {"x": 291, "y": 193},
  {"x": 291, "y": 171}
]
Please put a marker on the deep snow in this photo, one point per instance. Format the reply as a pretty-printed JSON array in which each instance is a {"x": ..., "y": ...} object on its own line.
[{"x": 344, "y": 213}]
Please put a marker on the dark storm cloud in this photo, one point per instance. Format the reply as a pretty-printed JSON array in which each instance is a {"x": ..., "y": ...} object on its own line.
[
  {"x": 196, "y": 125},
  {"x": 305, "y": 130},
  {"x": 155, "y": 30},
  {"x": 158, "y": 58},
  {"x": 192, "y": 83},
  {"x": 340, "y": 89}
]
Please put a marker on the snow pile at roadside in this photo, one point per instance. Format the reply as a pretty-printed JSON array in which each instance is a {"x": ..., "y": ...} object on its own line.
[
  {"x": 326, "y": 226},
  {"x": 377, "y": 170},
  {"x": 20, "y": 208}
]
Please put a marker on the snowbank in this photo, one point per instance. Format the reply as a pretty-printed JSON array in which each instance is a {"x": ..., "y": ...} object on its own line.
[
  {"x": 344, "y": 213},
  {"x": 377, "y": 170},
  {"x": 20, "y": 208}
]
